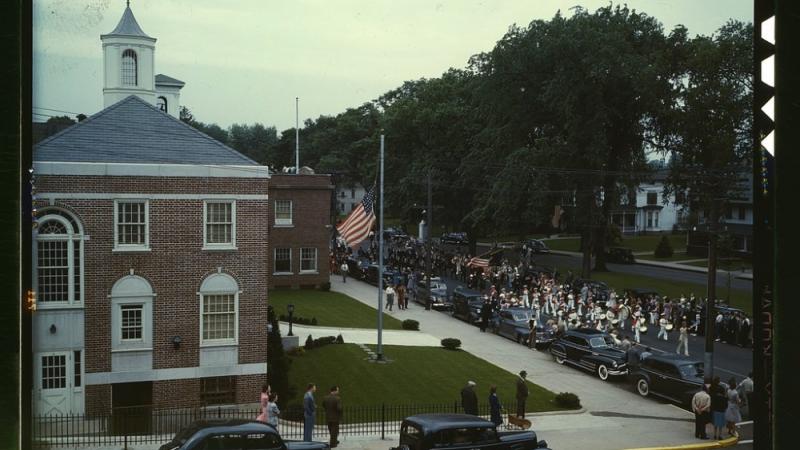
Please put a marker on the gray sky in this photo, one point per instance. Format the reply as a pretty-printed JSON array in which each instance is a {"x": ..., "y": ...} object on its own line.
[{"x": 245, "y": 61}]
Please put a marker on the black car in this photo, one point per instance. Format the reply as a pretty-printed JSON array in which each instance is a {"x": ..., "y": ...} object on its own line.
[
  {"x": 590, "y": 349},
  {"x": 467, "y": 304},
  {"x": 536, "y": 246},
  {"x": 457, "y": 238},
  {"x": 357, "y": 268},
  {"x": 599, "y": 289},
  {"x": 229, "y": 434},
  {"x": 674, "y": 377},
  {"x": 394, "y": 233},
  {"x": 437, "y": 294},
  {"x": 513, "y": 324},
  {"x": 622, "y": 255},
  {"x": 371, "y": 276},
  {"x": 461, "y": 431}
]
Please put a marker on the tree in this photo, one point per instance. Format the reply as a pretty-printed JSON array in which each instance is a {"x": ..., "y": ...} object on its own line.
[
  {"x": 41, "y": 131},
  {"x": 278, "y": 363}
]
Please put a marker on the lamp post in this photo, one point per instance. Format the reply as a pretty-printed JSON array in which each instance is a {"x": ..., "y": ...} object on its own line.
[{"x": 290, "y": 310}]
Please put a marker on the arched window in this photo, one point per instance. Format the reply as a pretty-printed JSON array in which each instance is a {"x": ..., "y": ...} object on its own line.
[
  {"x": 162, "y": 103},
  {"x": 219, "y": 310},
  {"x": 132, "y": 314},
  {"x": 129, "y": 68},
  {"x": 59, "y": 258}
]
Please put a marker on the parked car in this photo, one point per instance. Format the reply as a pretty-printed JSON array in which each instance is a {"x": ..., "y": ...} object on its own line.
[
  {"x": 394, "y": 233},
  {"x": 371, "y": 277},
  {"x": 590, "y": 349},
  {"x": 461, "y": 431},
  {"x": 457, "y": 238},
  {"x": 357, "y": 268},
  {"x": 513, "y": 324},
  {"x": 437, "y": 294},
  {"x": 230, "y": 434},
  {"x": 467, "y": 304},
  {"x": 621, "y": 255},
  {"x": 599, "y": 288},
  {"x": 537, "y": 245},
  {"x": 673, "y": 377}
]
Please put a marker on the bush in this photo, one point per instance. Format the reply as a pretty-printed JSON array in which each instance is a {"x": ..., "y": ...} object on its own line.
[
  {"x": 451, "y": 343},
  {"x": 297, "y": 351},
  {"x": 309, "y": 343},
  {"x": 325, "y": 287},
  {"x": 410, "y": 324},
  {"x": 339, "y": 339},
  {"x": 568, "y": 400},
  {"x": 300, "y": 320},
  {"x": 324, "y": 341},
  {"x": 664, "y": 249},
  {"x": 314, "y": 321}
]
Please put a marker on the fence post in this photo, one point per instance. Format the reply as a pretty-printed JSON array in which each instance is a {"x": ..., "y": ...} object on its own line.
[
  {"x": 125, "y": 433},
  {"x": 383, "y": 421}
]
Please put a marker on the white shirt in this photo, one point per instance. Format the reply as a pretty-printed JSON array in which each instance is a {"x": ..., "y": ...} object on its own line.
[{"x": 389, "y": 291}]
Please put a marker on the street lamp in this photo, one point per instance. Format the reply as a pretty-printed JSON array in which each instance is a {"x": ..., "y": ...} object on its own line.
[{"x": 290, "y": 310}]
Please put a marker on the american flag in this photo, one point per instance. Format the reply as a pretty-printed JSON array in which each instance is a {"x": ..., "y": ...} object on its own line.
[
  {"x": 357, "y": 225},
  {"x": 478, "y": 262}
]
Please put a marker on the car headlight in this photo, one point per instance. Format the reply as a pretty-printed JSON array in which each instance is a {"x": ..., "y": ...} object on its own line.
[{"x": 613, "y": 363}]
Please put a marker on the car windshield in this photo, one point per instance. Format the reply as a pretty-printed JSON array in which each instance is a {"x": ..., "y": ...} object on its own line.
[
  {"x": 601, "y": 342},
  {"x": 520, "y": 316},
  {"x": 691, "y": 370}
]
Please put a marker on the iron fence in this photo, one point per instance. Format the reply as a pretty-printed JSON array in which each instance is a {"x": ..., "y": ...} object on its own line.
[{"x": 148, "y": 425}]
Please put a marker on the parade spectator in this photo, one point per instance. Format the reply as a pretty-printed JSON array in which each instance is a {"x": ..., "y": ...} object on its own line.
[
  {"x": 344, "y": 269},
  {"x": 719, "y": 404},
  {"x": 745, "y": 389},
  {"x": 333, "y": 414},
  {"x": 732, "y": 413},
  {"x": 389, "y": 297},
  {"x": 469, "y": 399},
  {"x": 494, "y": 406},
  {"x": 274, "y": 412},
  {"x": 522, "y": 394},
  {"x": 701, "y": 405},
  {"x": 309, "y": 410}
]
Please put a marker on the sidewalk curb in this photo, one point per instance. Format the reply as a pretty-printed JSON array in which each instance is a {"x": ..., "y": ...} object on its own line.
[
  {"x": 715, "y": 444},
  {"x": 557, "y": 413}
]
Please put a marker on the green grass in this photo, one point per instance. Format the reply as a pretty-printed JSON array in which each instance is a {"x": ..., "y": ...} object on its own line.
[
  {"x": 331, "y": 309},
  {"x": 565, "y": 245},
  {"x": 635, "y": 243},
  {"x": 416, "y": 375},
  {"x": 734, "y": 265}
]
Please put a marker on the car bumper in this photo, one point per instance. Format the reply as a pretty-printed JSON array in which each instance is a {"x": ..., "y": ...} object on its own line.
[{"x": 618, "y": 372}]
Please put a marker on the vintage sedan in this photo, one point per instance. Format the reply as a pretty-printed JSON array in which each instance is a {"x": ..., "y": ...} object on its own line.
[
  {"x": 461, "y": 431},
  {"x": 673, "y": 377},
  {"x": 234, "y": 434},
  {"x": 437, "y": 294},
  {"x": 467, "y": 305},
  {"x": 514, "y": 323},
  {"x": 592, "y": 350},
  {"x": 457, "y": 238},
  {"x": 536, "y": 246}
]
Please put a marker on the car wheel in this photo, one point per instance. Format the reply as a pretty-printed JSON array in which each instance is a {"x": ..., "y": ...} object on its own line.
[
  {"x": 559, "y": 360},
  {"x": 520, "y": 339},
  {"x": 643, "y": 387},
  {"x": 602, "y": 372}
]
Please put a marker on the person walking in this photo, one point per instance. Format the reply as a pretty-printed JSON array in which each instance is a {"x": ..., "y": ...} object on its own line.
[
  {"x": 402, "y": 303},
  {"x": 486, "y": 314},
  {"x": 745, "y": 389},
  {"x": 469, "y": 399},
  {"x": 264, "y": 401},
  {"x": 522, "y": 394},
  {"x": 701, "y": 405},
  {"x": 309, "y": 411},
  {"x": 732, "y": 414},
  {"x": 344, "y": 268},
  {"x": 494, "y": 406},
  {"x": 662, "y": 331},
  {"x": 683, "y": 339},
  {"x": 532, "y": 335},
  {"x": 719, "y": 404},
  {"x": 274, "y": 412},
  {"x": 389, "y": 297},
  {"x": 333, "y": 414}
]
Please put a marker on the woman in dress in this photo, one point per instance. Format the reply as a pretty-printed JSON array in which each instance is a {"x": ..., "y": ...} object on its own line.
[
  {"x": 495, "y": 406},
  {"x": 733, "y": 415},
  {"x": 718, "y": 407},
  {"x": 274, "y": 412},
  {"x": 264, "y": 416}
]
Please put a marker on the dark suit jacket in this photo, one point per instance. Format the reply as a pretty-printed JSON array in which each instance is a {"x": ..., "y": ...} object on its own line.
[
  {"x": 522, "y": 389},
  {"x": 333, "y": 407},
  {"x": 469, "y": 400}
]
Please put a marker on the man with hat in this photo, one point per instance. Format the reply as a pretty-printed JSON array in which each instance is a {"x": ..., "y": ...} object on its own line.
[
  {"x": 522, "y": 394},
  {"x": 469, "y": 399}
]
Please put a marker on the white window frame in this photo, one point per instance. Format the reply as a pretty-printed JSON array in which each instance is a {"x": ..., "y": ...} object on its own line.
[
  {"x": 275, "y": 261},
  {"x": 219, "y": 246},
  {"x": 315, "y": 270},
  {"x": 284, "y": 222},
  {"x": 141, "y": 307},
  {"x": 74, "y": 239},
  {"x": 119, "y": 298},
  {"x": 132, "y": 247},
  {"x": 219, "y": 284}
]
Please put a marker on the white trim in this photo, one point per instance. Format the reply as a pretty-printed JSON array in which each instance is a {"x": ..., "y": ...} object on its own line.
[
  {"x": 139, "y": 196},
  {"x": 150, "y": 170},
  {"x": 235, "y": 293},
  {"x": 315, "y": 259},
  {"x": 132, "y": 247},
  {"x": 222, "y": 246},
  {"x": 180, "y": 373},
  {"x": 282, "y": 273},
  {"x": 284, "y": 222},
  {"x": 275, "y": 259}
]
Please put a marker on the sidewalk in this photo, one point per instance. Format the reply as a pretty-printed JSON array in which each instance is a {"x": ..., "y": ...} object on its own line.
[{"x": 365, "y": 336}]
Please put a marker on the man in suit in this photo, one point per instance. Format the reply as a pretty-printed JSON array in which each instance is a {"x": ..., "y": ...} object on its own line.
[
  {"x": 309, "y": 410},
  {"x": 333, "y": 413},
  {"x": 469, "y": 399},
  {"x": 522, "y": 394}
]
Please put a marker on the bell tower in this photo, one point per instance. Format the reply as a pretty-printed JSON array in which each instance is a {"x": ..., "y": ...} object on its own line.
[{"x": 128, "y": 62}]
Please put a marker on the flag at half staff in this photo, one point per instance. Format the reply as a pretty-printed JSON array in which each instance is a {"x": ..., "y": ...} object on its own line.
[{"x": 357, "y": 225}]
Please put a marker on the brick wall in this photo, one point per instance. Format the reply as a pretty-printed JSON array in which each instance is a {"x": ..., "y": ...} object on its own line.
[
  {"x": 311, "y": 212},
  {"x": 98, "y": 399},
  {"x": 169, "y": 394}
]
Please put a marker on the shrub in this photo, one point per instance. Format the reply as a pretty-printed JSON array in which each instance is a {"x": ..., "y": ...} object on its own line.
[
  {"x": 309, "y": 343},
  {"x": 451, "y": 343},
  {"x": 299, "y": 320},
  {"x": 324, "y": 341},
  {"x": 325, "y": 287},
  {"x": 568, "y": 400},
  {"x": 664, "y": 249},
  {"x": 339, "y": 339},
  {"x": 313, "y": 321},
  {"x": 410, "y": 324},
  {"x": 297, "y": 351}
]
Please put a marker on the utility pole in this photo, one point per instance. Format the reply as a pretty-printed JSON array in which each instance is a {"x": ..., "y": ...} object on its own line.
[
  {"x": 429, "y": 242},
  {"x": 379, "y": 355},
  {"x": 708, "y": 363}
]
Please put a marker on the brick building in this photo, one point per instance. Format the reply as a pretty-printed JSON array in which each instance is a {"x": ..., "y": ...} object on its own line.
[
  {"x": 151, "y": 260},
  {"x": 300, "y": 233}
]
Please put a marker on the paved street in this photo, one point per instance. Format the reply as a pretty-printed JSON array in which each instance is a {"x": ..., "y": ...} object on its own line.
[{"x": 613, "y": 411}]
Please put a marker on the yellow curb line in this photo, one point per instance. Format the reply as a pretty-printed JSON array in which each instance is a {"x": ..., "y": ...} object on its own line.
[{"x": 716, "y": 444}]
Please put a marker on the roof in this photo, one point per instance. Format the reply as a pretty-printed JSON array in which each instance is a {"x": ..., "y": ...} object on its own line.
[
  {"x": 436, "y": 422},
  {"x": 128, "y": 26},
  {"x": 134, "y": 131},
  {"x": 587, "y": 331},
  {"x": 163, "y": 79},
  {"x": 672, "y": 357}
]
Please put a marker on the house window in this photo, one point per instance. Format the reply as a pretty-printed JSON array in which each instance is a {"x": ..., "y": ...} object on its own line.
[
  {"x": 77, "y": 367},
  {"x": 652, "y": 198},
  {"x": 131, "y": 225},
  {"x": 161, "y": 102},
  {"x": 283, "y": 212},
  {"x": 218, "y": 390},
  {"x": 129, "y": 70},
  {"x": 652, "y": 219},
  {"x": 308, "y": 260},
  {"x": 341, "y": 207},
  {"x": 283, "y": 260},
  {"x": 54, "y": 372},
  {"x": 219, "y": 317},
  {"x": 131, "y": 322},
  {"x": 742, "y": 213},
  {"x": 220, "y": 224},
  {"x": 59, "y": 258}
]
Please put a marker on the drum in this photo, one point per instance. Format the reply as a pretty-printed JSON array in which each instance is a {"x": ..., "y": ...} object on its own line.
[
  {"x": 642, "y": 329},
  {"x": 669, "y": 326},
  {"x": 642, "y": 321}
]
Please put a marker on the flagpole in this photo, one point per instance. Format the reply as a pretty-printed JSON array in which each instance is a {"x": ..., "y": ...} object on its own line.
[
  {"x": 380, "y": 265},
  {"x": 297, "y": 135}
]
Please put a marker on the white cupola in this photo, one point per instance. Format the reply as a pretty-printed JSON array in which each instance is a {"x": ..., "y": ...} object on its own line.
[{"x": 128, "y": 62}]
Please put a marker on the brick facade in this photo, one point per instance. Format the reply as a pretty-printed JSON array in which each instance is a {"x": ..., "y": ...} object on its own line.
[{"x": 311, "y": 228}]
